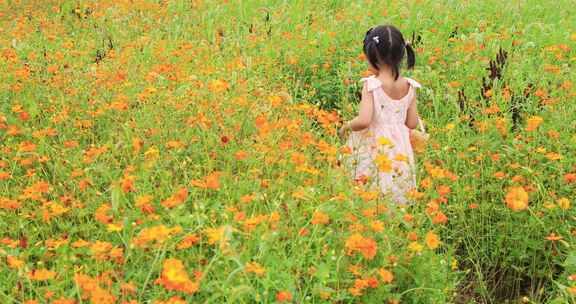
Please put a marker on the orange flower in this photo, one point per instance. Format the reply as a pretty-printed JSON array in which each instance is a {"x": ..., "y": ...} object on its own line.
[
  {"x": 499, "y": 175},
  {"x": 217, "y": 86},
  {"x": 4, "y": 175},
  {"x": 570, "y": 178},
  {"x": 454, "y": 84},
  {"x": 533, "y": 123},
  {"x": 245, "y": 199},
  {"x": 517, "y": 199},
  {"x": 283, "y": 296},
  {"x": 387, "y": 276},
  {"x": 320, "y": 218},
  {"x": 412, "y": 236},
  {"x": 439, "y": 218},
  {"x": 432, "y": 240},
  {"x": 443, "y": 190},
  {"x": 144, "y": 203},
  {"x": 174, "y": 277},
  {"x": 211, "y": 181},
  {"x": 383, "y": 162},
  {"x": 172, "y": 300},
  {"x": 9, "y": 204},
  {"x": 14, "y": 262},
  {"x": 91, "y": 288},
  {"x": 100, "y": 250},
  {"x": 553, "y": 237},
  {"x": 128, "y": 183},
  {"x": 215, "y": 234},
  {"x": 255, "y": 268},
  {"x": 241, "y": 155},
  {"x": 41, "y": 275},
  {"x": 176, "y": 199},
  {"x": 366, "y": 246},
  {"x": 188, "y": 241},
  {"x": 158, "y": 234},
  {"x": 553, "y": 156},
  {"x": 101, "y": 214}
]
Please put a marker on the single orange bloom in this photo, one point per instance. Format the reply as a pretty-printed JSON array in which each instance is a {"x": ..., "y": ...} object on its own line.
[
  {"x": 241, "y": 155},
  {"x": 174, "y": 277},
  {"x": 412, "y": 236},
  {"x": 439, "y": 218},
  {"x": 255, "y": 268},
  {"x": 432, "y": 240},
  {"x": 454, "y": 84},
  {"x": 386, "y": 275},
  {"x": 4, "y": 175},
  {"x": 443, "y": 190},
  {"x": 14, "y": 262},
  {"x": 533, "y": 123},
  {"x": 41, "y": 275},
  {"x": 283, "y": 296},
  {"x": 517, "y": 199},
  {"x": 553, "y": 237},
  {"x": 320, "y": 218},
  {"x": 499, "y": 175},
  {"x": 188, "y": 241}
]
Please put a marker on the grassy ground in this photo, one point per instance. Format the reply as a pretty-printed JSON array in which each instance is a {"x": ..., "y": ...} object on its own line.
[{"x": 185, "y": 152}]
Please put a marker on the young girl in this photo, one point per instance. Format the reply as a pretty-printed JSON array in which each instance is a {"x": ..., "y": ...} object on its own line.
[{"x": 380, "y": 142}]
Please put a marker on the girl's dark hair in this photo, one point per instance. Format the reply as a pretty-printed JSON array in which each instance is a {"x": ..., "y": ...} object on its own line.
[{"x": 385, "y": 44}]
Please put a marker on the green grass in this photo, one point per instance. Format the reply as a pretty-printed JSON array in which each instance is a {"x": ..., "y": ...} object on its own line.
[{"x": 142, "y": 80}]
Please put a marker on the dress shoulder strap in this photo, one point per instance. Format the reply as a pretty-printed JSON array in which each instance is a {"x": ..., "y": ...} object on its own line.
[
  {"x": 372, "y": 82},
  {"x": 413, "y": 83}
]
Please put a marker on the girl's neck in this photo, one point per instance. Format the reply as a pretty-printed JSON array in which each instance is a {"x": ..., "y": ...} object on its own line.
[{"x": 385, "y": 74}]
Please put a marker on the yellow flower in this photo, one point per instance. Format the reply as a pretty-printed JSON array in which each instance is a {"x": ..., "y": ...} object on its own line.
[
  {"x": 564, "y": 203},
  {"x": 541, "y": 150},
  {"x": 152, "y": 153},
  {"x": 215, "y": 234},
  {"x": 454, "y": 265},
  {"x": 384, "y": 164},
  {"x": 401, "y": 157},
  {"x": 114, "y": 227},
  {"x": 415, "y": 246},
  {"x": 517, "y": 199},
  {"x": 384, "y": 141}
]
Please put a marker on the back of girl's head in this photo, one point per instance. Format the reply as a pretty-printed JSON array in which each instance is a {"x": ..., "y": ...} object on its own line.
[{"x": 385, "y": 45}]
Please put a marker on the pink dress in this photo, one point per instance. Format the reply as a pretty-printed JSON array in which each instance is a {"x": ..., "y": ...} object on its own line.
[{"x": 382, "y": 153}]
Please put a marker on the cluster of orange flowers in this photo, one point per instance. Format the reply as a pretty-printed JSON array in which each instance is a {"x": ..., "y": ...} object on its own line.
[{"x": 175, "y": 277}]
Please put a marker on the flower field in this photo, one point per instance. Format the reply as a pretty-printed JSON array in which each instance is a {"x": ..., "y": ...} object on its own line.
[{"x": 186, "y": 152}]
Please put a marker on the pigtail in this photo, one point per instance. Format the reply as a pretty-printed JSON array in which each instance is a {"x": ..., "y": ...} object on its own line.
[{"x": 410, "y": 56}]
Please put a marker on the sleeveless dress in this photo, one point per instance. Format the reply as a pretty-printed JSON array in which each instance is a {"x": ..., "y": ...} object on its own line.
[{"x": 381, "y": 155}]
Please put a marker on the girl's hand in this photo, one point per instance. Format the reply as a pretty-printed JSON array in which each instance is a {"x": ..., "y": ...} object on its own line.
[{"x": 343, "y": 131}]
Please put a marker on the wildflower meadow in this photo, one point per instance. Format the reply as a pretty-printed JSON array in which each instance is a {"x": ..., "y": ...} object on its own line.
[{"x": 171, "y": 151}]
